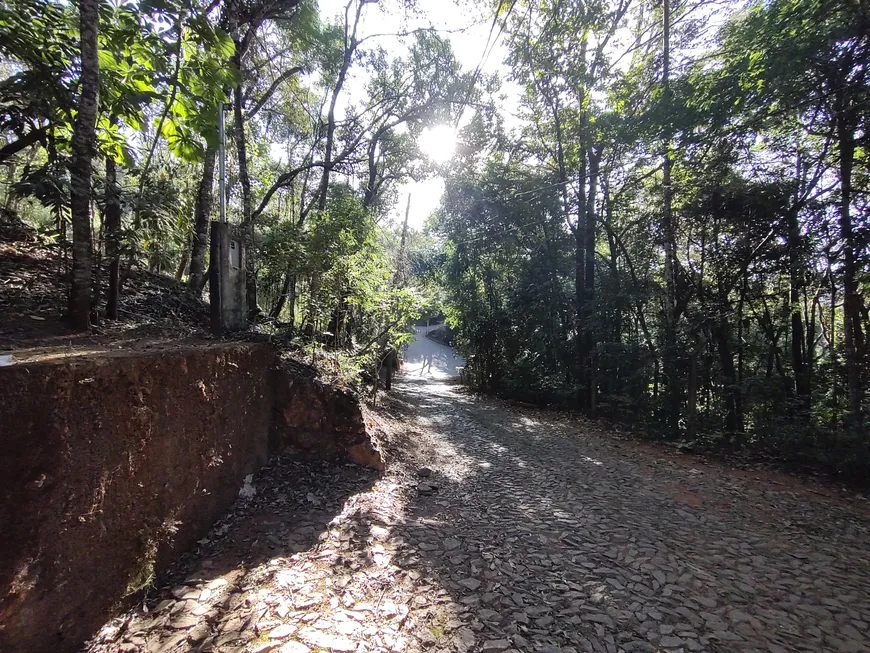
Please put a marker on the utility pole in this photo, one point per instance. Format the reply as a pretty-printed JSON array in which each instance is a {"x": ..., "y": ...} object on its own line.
[
  {"x": 222, "y": 165},
  {"x": 405, "y": 226},
  {"x": 400, "y": 264},
  {"x": 227, "y": 297}
]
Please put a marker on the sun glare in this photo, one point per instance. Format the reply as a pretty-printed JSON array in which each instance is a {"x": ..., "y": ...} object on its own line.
[{"x": 438, "y": 143}]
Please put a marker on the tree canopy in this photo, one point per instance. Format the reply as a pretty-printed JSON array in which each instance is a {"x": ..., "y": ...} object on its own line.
[
  {"x": 677, "y": 234},
  {"x": 670, "y": 230}
]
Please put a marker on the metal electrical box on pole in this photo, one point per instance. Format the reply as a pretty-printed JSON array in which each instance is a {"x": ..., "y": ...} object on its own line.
[{"x": 227, "y": 269}]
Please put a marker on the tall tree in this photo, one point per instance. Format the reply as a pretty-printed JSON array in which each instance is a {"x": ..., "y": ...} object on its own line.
[
  {"x": 201, "y": 216},
  {"x": 668, "y": 234},
  {"x": 112, "y": 217},
  {"x": 81, "y": 163}
]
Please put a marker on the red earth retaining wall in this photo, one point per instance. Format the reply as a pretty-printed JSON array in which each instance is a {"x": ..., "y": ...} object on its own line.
[
  {"x": 316, "y": 419},
  {"x": 110, "y": 465},
  {"x": 113, "y": 464}
]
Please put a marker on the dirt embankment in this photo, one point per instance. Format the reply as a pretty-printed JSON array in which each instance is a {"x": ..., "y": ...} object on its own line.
[
  {"x": 34, "y": 285},
  {"x": 111, "y": 464}
]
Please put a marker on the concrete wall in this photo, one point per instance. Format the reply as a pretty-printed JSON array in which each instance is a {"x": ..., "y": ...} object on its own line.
[{"x": 109, "y": 467}]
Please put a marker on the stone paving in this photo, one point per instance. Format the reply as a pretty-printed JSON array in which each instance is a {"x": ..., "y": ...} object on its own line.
[{"x": 505, "y": 529}]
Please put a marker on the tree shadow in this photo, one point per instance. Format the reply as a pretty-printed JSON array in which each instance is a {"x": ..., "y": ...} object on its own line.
[
  {"x": 208, "y": 600},
  {"x": 562, "y": 542},
  {"x": 521, "y": 530}
]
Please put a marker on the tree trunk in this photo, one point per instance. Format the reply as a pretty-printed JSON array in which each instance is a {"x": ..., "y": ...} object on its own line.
[
  {"x": 289, "y": 279},
  {"x": 579, "y": 297},
  {"x": 741, "y": 302},
  {"x": 580, "y": 285},
  {"x": 726, "y": 360},
  {"x": 113, "y": 238},
  {"x": 616, "y": 333},
  {"x": 692, "y": 395},
  {"x": 202, "y": 215},
  {"x": 97, "y": 265},
  {"x": 349, "y": 48},
  {"x": 337, "y": 318},
  {"x": 798, "y": 355},
  {"x": 589, "y": 277},
  {"x": 291, "y": 303},
  {"x": 81, "y": 165},
  {"x": 669, "y": 358},
  {"x": 370, "y": 194},
  {"x": 853, "y": 337},
  {"x": 182, "y": 263},
  {"x": 810, "y": 347},
  {"x": 614, "y": 379},
  {"x": 309, "y": 318},
  {"x": 835, "y": 386},
  {"x": 245, "y": 182},
  {"x": 8, "y": 199}
]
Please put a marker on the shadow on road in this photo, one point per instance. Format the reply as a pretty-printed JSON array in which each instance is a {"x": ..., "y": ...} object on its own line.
[
  {"x": 496, "y": 528},
  {"x": 545, "y": 538},
  {"x": 212, "y": 599}
]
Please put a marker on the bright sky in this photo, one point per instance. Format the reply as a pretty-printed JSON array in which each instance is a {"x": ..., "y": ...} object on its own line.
[{"x": 467, "y": 25}]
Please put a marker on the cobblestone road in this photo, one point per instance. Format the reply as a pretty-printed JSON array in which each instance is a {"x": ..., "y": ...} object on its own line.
[{"x": 498, "y": 528}]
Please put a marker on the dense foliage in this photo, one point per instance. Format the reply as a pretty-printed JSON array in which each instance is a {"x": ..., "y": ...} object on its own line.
[
  {"x": 678, "y": 236},
  {"x": 674, "y": 232},
  {"x": 109, "y": 120}
]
